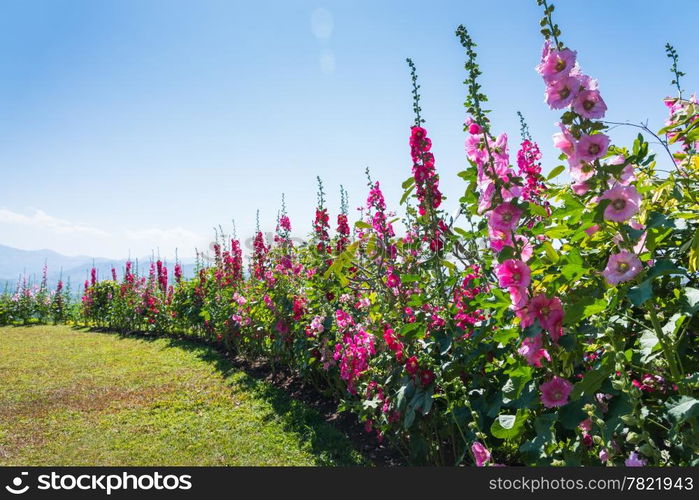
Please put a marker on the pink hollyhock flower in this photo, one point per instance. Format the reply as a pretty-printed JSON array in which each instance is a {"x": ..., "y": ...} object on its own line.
[
  {"x": 556, "y": 64},
  {"x": 531, "y": 349},
  {"x": 603, "y": 455},
  {"x": 624, "y": 203},
  {"x": 499, "y": 239},
  {"x": 550, "y": 314},
  {"x": 591, "y": 147},
  {"x": 592, "y": 229},
  {"x": 505, "y": 217},
  {"x": 513, "y": 273},
  {"x": 634, "y": 460},
  {"x": 580, "y": 188},
  {"x": 519, "y": 295},
  {"x": 589, "y": 104},
  {"x": 560, "y": 93},
  {"x": 527, "y": 249},
  {"x": 564, "y": 141},
  {"x": 586, "y": 425},
  {"x": 627, "y": 175},
  {"x": 480, "y": 454},
  {"x": 581, "y": 171},
  {"x": 621, "y": 267},
  {"x": 555, "y": 392}
]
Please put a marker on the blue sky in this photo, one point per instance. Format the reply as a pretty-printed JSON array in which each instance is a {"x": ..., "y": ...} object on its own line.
[{"x": 129, "y": 125}]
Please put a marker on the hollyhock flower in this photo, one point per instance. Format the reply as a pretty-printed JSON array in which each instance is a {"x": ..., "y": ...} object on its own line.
[
  {"x": 411, "y": 365},
  {"x": 353, "y": 355},
  {"x": 505, "y": 217},
  {"x": 586, "y": 425},
  {"x": 560, "y": 93},
  {"x": 589, "y": 104},
  {"x": 393, "y": 280},
  {"x": 556, "y": 64},
  {"x": 621, "y": 267},
  {"x": 513, "y": 273},
  {"x": 634, "y": 460},
  {"x": 564, "y": 141},
  {"x": 550, "y": 314},
  {"x": 499, "y": 239},
  {"x": 426, "y": 377},
  {"x": 527, "y": 250},
  {"x": 603, "y": 455},
  {"x": 555, "y": 392},
  {"x": 591, "y": 147},
  {"x": 627, "y": 175},
  {"x": 519, "y": 295},
  {"x": 343, "y": 319},
  {"x": 624, "y": 203},
  {"x": 531, "y": 349},
  {"x": 592, "y": 229},
  {"x": 480, "y": 454},
  {"x": 580, "y": 188},
  {"x": 581, "y": 171}
]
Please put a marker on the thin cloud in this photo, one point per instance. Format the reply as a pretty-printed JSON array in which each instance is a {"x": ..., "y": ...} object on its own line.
[{"x": 42, "y": 220}]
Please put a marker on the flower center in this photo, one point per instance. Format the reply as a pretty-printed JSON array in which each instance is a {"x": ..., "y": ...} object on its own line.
[
  {"x": 588, "y": 105},
  {"x": 619, "y": 204},
  {"x": 564, "y": 93},
  {"x": 593, "y": 149},
  {"x": 558, "y": 395},
  {"x": 545, "y": 310},
  {"x": 622, "y": 267},
  {"x": 507, "y": 217},
  {"x": 517, "y": 276},
  {"x": 560, "y": 65}
]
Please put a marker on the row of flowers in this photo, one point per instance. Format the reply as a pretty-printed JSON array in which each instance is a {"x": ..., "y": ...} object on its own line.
[{"x": 543, "y": 325}]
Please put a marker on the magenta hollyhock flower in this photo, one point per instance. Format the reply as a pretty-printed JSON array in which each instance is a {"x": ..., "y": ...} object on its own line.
[
  {"x": 624, "y": 203},
  {"x": 621, "y": 267},
  {"x": 634, "y": 460},
  {"x": 556, "y": 63},
  {"x": 505, "y": 217},
  {"x": 531, "y": 349},
  {"x": 480, "y": 454},
  {"x": 499, "y": 239},
  {"x": 591, "y": 147},
  {"x": 555, "y": 392},
  {"x": 549, "y": 312},
  {"x": 411, "y": 365},
  {"x": 560, "y": 93},
  {"x": 513, "y": 272},
  {"x": 589, "y": 104}
]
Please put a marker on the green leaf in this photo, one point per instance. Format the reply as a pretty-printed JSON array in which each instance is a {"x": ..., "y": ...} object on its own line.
[
  {"x": 508, "y": 426},
  {"x": 408, "y": 182},
  {"x": 362, "y": 225},
  {"x": 592, "y": 380},
  {"x": 663, "y": 267},
  {"x": 550, "y": 252},
  {"x": 555, "y": 172},
  {"x": 649, "y": 344},
  {"x": 516, "y": 383},
  {"x": 686, "y": 407},
  {"x": 640, "y": 294}
]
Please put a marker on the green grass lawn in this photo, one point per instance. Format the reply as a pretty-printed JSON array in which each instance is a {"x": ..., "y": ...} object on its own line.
[{"x": 73, "y": 397}]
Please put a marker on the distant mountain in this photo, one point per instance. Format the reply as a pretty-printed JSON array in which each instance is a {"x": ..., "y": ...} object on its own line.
[{"x": 16, "y": 264}]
